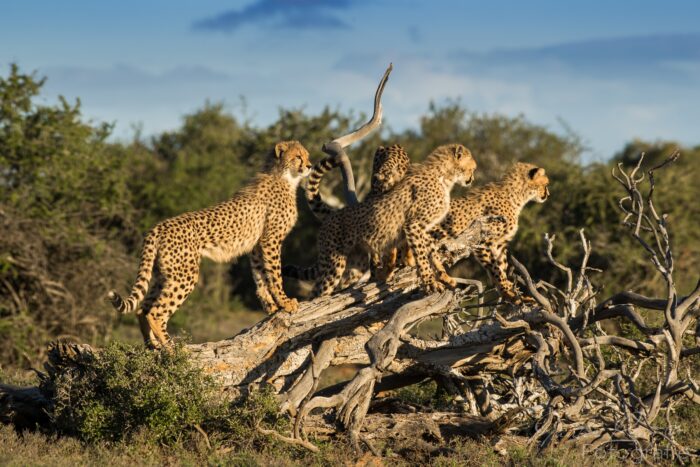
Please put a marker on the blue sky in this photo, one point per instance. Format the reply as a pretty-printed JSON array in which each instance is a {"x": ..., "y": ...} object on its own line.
[{"x": 612, "y": 71}]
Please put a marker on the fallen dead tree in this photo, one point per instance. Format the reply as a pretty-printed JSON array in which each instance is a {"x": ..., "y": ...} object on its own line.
[{"x": 547, "y": 373}]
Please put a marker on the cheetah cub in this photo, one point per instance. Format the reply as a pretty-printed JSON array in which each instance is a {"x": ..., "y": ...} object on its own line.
[
  {"x": 412, "y": 208},
  {"x": 255, "y": 220},
  {"x": 389, "y": 166},
  {"x": 504, "y": 199}
]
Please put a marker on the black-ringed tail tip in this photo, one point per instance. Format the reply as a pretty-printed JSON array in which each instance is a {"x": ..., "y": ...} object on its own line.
[{"x": 116, "y": 301}]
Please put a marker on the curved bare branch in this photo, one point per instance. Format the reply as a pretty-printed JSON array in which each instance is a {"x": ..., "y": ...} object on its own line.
[{"x": 336, "y": 148}]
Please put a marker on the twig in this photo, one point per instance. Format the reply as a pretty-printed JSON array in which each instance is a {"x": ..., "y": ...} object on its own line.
[{"x": 286, "y": 439}]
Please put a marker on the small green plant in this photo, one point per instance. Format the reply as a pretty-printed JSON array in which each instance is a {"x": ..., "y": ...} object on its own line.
[
  {"x": 259, "y": 409},
  {"x": 126, "y": 389},
  {"x": 247, "y": 425},
  {"x": 425, "y": 393}
]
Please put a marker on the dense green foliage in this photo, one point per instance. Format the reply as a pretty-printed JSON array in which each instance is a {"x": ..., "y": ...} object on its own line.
[
  {"x": 74, "y": 205},
  {"x": 125, "y": 390}
]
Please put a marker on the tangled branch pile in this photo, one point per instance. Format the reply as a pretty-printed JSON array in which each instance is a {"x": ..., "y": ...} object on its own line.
[{"x": 550, "y": 372}]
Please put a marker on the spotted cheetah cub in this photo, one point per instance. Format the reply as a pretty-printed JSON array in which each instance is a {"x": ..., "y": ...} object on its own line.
[
  {"x": 505, "y": 200},
  {"x": 255, "y": 220},
  {"x": 412, "y": 208},
  {"x": 389, "y": 166}
]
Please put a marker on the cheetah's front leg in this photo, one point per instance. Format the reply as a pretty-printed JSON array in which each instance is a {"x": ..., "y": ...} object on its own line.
[
  {"x": 256, "y": 265},
  {"x": 271, "y": 248},
  {"x": 421, "y": 243},
  {"x": 495, "y": 260},
  {"x": 440, "y": 271}
]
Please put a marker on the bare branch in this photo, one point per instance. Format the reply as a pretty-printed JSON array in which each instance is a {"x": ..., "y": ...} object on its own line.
[
  {"x": 336, "y": 148},
  {"x": 374, "y": 122}
]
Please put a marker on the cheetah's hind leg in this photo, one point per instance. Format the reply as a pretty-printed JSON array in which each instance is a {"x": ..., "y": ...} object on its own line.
[
  {"x": 331, "y": 269},
  {"x": 149, "y": 337},
  {"x": 383, "y": 270},
  {"x": 173, "y": 295}
]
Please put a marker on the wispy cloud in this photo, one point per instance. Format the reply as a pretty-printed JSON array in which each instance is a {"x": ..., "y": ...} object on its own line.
[
  {"x": 292, "y": 14},
  {"x": 609, "y": 90},
  {"x": 634, "y": 56}
]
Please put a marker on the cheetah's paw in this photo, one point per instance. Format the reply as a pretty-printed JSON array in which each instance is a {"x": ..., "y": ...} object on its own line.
[
  {"x": 448, "y": 280},
  {"x": 290, "y": 305},
  {"x": 433, "y": 286}
]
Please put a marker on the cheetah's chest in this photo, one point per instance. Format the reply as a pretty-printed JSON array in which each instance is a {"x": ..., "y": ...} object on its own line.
[{"x": 442, "y": 210}]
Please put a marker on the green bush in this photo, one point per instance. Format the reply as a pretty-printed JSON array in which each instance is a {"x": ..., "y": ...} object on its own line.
[
  {"x": 126, "y": 389},
  {"x": 259, "y": 408}
]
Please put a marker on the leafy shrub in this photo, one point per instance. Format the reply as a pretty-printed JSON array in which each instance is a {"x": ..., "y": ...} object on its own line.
[
  {"x": 126, "y": 389},
  {"x": 259, "y": 408},
  {"x": 426, "y": 393}
]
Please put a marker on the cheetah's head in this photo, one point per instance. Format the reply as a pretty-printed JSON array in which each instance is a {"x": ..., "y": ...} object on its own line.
[
  {"x": 291, "y": 159},
  {"x": 457, "y": 162},
  {"x": 389, "y": 168},
  {"x": 535, "y": 180}
]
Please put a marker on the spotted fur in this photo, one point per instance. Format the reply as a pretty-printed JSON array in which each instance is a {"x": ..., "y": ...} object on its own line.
[
  {"x": 389, "y": 166},
  {"x": 412, "y": 208},
  {"x": 504, "y": 200},
  {"x": 255, "y": 220}
]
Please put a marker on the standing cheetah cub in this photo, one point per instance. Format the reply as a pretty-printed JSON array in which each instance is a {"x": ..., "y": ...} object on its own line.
[
  {"x": 412, "y": 208},
  {"x": 255, "y": 220},
  {"x": 505, "y": 199},
  {"x": 389, "y": 166}
]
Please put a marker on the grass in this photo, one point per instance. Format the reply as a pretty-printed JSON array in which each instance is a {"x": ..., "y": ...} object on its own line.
[{"x": 42, "y": 449}]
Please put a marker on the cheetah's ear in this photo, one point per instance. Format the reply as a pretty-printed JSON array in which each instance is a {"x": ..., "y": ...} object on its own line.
[
  {"x": 459, "y": 151},
  {"x": 280, "y": 148},
  {"x": 537, "y": 171}
]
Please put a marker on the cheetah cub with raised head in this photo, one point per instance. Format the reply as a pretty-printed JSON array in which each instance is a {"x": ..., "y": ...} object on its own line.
[
  {"x": 255, "y": 220},
  {"x": 412, "y": 208},
  {"x": 505, "y": 200},
  {"x": 389, "y": 166}
]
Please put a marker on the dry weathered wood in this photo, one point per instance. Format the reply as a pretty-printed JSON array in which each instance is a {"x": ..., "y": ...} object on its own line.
[{"x": 408, "y": 426}]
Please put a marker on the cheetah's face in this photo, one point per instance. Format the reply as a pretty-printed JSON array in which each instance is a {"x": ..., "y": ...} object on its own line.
[
  {"x": 538, "y": 183},
  {"x": 293, "y": 159},
  {"x": 465, "y": 165},
  {"x": 388, "y": 175}
]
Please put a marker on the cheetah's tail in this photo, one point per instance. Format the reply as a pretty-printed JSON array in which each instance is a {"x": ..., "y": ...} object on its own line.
[
  {"x": 313, "y": 196},
  {"x": 297, "y": 272},
  {"x": 148, "y": 257}
]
